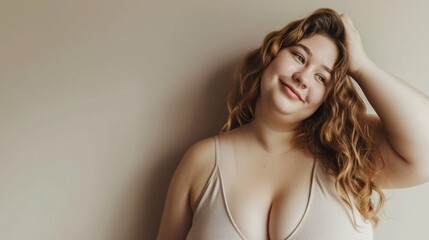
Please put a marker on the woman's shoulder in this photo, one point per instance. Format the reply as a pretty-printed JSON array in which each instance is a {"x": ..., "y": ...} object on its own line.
[
  {"x": 203, "y": 151},
  {"x": 200, "y": 152},
  {"x": 197, "y": 164},
  {"x": 200, "y": 158},
  {"x": 196, "y": 160}
]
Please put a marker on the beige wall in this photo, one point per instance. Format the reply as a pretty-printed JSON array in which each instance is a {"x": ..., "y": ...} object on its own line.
[{"x": 100, "y": 99}]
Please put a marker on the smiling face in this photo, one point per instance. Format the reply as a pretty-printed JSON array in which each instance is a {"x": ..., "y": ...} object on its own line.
[{"x": 298, "y": 80}]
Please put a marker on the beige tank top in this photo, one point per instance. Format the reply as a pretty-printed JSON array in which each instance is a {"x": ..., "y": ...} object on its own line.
[{"x": 325, "y": 217}]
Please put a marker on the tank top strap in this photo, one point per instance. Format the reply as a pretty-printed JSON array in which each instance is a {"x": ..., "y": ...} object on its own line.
[
  {"x": 217, "y": 147},
  {"x": 214, "y": 179}
]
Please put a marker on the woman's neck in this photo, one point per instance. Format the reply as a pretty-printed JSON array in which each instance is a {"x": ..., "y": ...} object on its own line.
[{"x": 270, "y": 133}]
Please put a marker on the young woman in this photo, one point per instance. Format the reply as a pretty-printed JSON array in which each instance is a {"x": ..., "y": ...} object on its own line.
[{"x": 299, "y": 157}]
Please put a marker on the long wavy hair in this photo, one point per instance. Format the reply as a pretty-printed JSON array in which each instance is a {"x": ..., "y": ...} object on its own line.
[{"x": 337, "y": 132}]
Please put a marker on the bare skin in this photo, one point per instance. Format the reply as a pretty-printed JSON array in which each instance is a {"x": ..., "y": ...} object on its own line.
[
  {"x": 401, "y": 125},
  {"x": 400, "y": 131}
]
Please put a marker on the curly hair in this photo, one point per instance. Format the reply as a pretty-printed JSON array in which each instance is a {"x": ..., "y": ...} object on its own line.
[{"x": 337, "y": 132}]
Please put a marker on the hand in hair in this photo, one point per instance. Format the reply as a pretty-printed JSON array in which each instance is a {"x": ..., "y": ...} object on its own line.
[{"x": 354, "y": 46}]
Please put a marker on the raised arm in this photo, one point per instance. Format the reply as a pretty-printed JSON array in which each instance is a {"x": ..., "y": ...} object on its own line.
[{"x": 401, "y": 127}]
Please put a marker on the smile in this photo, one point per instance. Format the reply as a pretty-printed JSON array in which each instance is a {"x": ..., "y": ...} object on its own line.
[{"x": 290, "y": 91}]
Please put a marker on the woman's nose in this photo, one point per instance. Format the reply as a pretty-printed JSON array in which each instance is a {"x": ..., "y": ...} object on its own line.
[{"x": 300, "y": 78}]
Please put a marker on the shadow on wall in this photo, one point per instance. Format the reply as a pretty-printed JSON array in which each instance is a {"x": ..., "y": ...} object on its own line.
[{"x": 204, "y": 121}]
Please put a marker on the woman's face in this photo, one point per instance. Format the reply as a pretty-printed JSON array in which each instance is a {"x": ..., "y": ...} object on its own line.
[{"x": 298, "y": 80}]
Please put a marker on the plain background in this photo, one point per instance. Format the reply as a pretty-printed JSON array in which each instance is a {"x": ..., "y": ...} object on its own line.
[{"x": 99, "y": 100}]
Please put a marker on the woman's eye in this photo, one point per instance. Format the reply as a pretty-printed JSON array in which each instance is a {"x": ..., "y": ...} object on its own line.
[
  {"x": 321, "y": 78},
  {"x": 299, "y": 57}
]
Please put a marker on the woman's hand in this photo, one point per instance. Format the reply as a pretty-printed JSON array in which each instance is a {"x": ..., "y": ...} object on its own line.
[{"x": 355, "y": 50}]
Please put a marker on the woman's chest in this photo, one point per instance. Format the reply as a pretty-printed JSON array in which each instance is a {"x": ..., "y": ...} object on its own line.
[{"x": 267, "y": 200}]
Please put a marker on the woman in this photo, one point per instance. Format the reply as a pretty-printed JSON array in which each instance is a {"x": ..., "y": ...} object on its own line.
[{"x": 299, "y": 158}]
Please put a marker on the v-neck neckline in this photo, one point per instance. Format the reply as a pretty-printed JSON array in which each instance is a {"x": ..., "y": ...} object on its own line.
[{"x": 225, "y": 202}]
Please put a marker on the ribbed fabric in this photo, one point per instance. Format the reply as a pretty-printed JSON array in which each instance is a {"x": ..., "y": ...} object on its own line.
[{"x": 325, "y": 217}]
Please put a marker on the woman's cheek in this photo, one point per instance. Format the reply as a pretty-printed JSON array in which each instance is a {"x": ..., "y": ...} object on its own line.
[
  {"x": 286, "y": 66},
  {"x": 318, "y": 96}
]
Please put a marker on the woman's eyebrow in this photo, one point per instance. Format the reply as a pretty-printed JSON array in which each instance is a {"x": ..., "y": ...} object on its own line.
[{"x": 307, "y": 50}]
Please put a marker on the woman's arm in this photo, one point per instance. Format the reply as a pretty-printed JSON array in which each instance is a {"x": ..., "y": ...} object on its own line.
[
  {"x": 177, "y": 215},
  {"x": 185, "y": 189},
  {"x": 401, "y": 127}
]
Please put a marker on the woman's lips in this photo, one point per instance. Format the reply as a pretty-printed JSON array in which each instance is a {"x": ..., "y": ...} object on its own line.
[{"x": 292, "y": 92}]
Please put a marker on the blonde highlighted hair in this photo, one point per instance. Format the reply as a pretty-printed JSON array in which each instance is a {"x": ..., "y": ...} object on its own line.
[{"x": 337, "y": 133}]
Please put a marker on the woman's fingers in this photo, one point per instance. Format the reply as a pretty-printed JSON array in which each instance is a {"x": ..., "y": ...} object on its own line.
[{"x": 354, "y": 45}]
